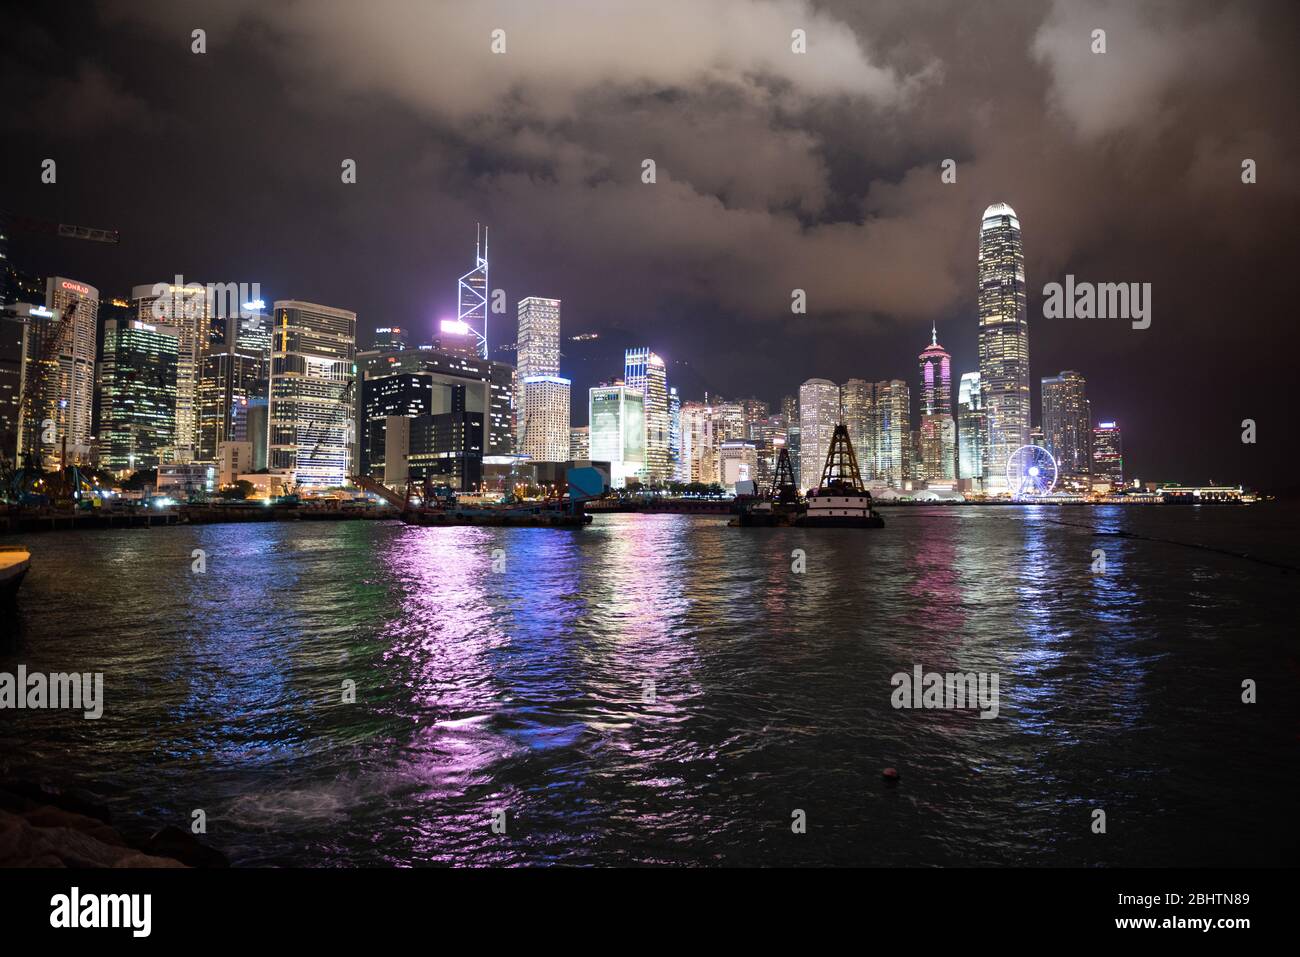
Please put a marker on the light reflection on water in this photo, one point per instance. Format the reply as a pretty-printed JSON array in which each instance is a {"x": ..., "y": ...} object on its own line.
[{"x": 664, "y": 689}]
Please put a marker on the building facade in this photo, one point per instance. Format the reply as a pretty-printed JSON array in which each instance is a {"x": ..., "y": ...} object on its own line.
[
  {"x": 188, "y": 309},
  {"x": 1108, "y": 453},
  {"x": 542, "y": 407},
  {"x": 311, "y": 439},
  {"x": 1003, "y": 341},
  {"x": 1067, "y": 426},
  {"x": 138, "y": 394},
  {"x": 644, "y": 371},
  {"x": 971, "y": 429},
  {"x": 618, "y": 431},
  {"x": 893, "y": 452},
  {"x": 544, "y": 422},
  {"x": 819, "y": 413},
  {"x": 858, "y": 407},
  {"x": 74, "y": 395},
  {"x": 938, "y": 432}
]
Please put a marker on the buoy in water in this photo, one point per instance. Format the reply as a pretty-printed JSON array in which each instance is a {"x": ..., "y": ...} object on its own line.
[{"x": 890, "y": 774}]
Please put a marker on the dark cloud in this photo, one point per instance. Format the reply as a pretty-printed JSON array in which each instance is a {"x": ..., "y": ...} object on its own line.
[{"x": 775, "y": 171}]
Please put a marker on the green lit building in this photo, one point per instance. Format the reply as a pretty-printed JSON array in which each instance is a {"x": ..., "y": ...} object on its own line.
[{"x": 138, "y": 394}]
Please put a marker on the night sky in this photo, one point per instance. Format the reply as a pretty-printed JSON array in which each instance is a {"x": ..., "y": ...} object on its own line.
[{"x": 775, "y": 171}]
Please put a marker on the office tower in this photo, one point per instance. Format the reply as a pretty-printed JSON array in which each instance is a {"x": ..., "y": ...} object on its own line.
[
  {"x": 537, "y": 346},
  {"x": 189, "y": 310},
  {"x": 423, "y": 426},
  {"x": 970, "y": 428},
  {"x": 675, "y": 464},
  {"x": 738, "y": 462},
  {"x": 857, "y": 404},
  {"x": 618, "y": 430},
  {"x": 544, "y": 424},
  {"x": 893, "y": 452},
  {"x": 542, "y": 410},
  {"x": 13, "y": 320},
  {"x": 936, "y": 378},
  {"x": 472, "y": 299},
  {"x": 249, "y": 423},
  {"x": 936, "y": 449},
  {"x": 753, "y": 412},
  {"x": 728, "y": 419},
  {"x": 424, "y": 382},
  {"x": 228, "y": 378},
  {"x": 580, "y": 443},
  {"x": 1067, "y": 428},
  {"x": 1108, "y": 453},
  {"x": 790, "y": 410},
  {"x": 251, "y": 331},
  {"x": 311, "y": 416},
  {"x": 390, "y": 339},
  {"x": 138, "y": 401},
  {"x": 819, "y": 413},
  {"x": 21, "y": 328},
  {"x": 769, "y": 440},
  {"x": 71, "y": 401},
  {"x": 645, "y": 372},
  {"x": 699, "y": 444},
  {"x": 937, "y": 440},
  {"x": 1003, "y": 341}
]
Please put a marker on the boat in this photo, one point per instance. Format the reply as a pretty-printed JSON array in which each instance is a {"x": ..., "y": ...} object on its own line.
[
  {"x": 14, "y": 562},
  {"x": 780, "y": 507},
  {"x": 840, "y": 500}
]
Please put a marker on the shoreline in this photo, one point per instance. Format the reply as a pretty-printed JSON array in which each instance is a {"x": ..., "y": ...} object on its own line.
[{"x": 42, "y": 826}]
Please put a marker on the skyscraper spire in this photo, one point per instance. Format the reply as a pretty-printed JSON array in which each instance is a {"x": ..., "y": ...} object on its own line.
[{"x": 934, "y": 334}]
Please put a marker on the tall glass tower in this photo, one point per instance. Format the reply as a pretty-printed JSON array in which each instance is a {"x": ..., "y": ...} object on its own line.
[
  {"x": 1003, "y": 341},
  {"x": 472, "y": 295},
  {"x": 644, "y": 371},
  {"x": 1067, "y": 424}
]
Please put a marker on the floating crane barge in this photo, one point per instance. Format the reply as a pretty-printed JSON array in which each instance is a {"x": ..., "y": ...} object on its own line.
[{"x": 840, "y": 500}]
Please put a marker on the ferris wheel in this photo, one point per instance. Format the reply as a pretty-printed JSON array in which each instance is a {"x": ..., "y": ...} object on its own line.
[{"x": 1031, "y": 472}]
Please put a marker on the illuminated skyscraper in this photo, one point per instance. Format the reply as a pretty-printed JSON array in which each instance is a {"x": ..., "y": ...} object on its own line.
[
  {"x": 313, "y": 377},
  {"x": 617, "y": 431},
  {"x": 699, "y": 443},
  {"x": 75, "y": 357},
  {"x": 645, "y": 372},
  {"x": 580, "y": 443},
  {"x": 675, "y": 462},
  {"x": 858, "y": 407},
  {"x": 970, "y": 428},
  {"x": 472, "y": 294},
  {"x": 543, "y": 403},
  {"x": 537, "y": 346},
  {"x": 1067, "y": 426},
  {"x": 390, "y": 339},
  {"x": 188, "y": 309},
  {"x": 938, "y": 439},
  {"x": 1003, "y": 340},
  {"x": 819, "y": 413},
  {"x": 1108, "y": 453},
  {"x": 138, "y": 394},
  {"x": 544, "y": 423},
  {"x": 893, "y": 451},
  {"x": 936, "y": 378}
]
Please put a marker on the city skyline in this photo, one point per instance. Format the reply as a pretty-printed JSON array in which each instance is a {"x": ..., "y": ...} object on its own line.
[{"x": 840, "y": 203}]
